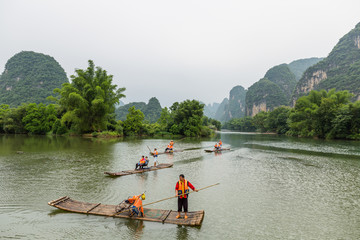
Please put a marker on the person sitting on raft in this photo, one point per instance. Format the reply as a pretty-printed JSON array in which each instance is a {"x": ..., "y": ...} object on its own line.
[
  {"x": 137, "y": 206},
  {"x": 216, "y": 147},
  {"x": 220, "y": 143},
  {"x": 141, "y": 163},
  {"x": 169, "y": 148}
]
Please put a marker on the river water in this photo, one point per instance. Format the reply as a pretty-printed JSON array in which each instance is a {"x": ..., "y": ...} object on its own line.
[{"x": 271, "y": 187}]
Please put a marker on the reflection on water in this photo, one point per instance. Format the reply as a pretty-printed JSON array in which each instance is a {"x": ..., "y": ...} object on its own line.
[{"x": 271, "y": 187}]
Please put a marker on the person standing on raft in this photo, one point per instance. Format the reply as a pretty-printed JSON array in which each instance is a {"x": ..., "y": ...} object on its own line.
[
  {"x": 182, "y": 191},
  {"x": 155, "y": 154}
]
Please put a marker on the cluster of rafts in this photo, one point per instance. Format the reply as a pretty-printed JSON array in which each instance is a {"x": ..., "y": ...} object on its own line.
[{"x": 155, "y": 215}]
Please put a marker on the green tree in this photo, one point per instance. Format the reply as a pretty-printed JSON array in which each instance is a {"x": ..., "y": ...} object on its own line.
[
  {"x": 165, "y": 120},
  {"x": 4, "y": 109},
  {"x": 12, "y": 120},
  {"x": 276, "y": 120},
  {"x": 259, "y": 121},
  {"x": 187, "y": 117},
  {"x": 39, "y": 119},
  {"x": 89, "y": 99},
  {"x": 316, "y": 114},
  {"x": 133, "y": 125}
]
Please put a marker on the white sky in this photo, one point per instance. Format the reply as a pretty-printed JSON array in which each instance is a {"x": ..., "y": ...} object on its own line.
[{"x": 175, "y": 50}]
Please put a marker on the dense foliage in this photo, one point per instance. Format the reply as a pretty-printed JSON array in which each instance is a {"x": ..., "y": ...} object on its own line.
[
  {"x": 152, "y": 110},
  {"x": 321, "y": 114},
  {"x": 30, "y": 77},
  {"x": 325, "y": 115},
  {"x": 28, "y": 118},
  {"x": 185, "y": 118},
  {"x": 89, "y": 100},
  {"x": 244, "y": 124},
  {"x": 341, "y": 66}
]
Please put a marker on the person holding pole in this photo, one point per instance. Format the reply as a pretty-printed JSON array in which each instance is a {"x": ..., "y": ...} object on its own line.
[
  {"x": 182, "y": 192},
  {"x": 155, "y": 154},
  {"x": 137, "y": 206}
]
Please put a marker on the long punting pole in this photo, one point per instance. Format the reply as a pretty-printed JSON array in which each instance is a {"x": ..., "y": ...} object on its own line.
[
  {"x": 168, "y": 198},
  {"x": 179, "y": 195}
]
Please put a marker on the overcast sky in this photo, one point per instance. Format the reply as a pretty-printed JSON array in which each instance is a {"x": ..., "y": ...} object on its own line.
[{"x": 176, "y": 50}]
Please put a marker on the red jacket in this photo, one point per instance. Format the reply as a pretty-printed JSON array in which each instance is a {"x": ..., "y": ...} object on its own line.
[{"x": 189, "y": 185}]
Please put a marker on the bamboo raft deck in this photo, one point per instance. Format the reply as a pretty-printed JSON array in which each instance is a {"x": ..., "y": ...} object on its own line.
[
  {"x": 180, "y": 150},
  {"x": 148, "y": 169},
  {"x": 220, "y": 150},
  {"x": 153, "y": 215}
]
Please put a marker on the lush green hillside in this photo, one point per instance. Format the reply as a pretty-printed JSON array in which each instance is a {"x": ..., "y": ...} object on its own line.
[
  {"x": 283, "y": 77},
  {"x": 30, "y": 77},
  {"x": 272, "y": 91},
  {"x": 264, "y": 95},
  {"x": 152, "y": 110},
  {"x": 298, "y": 67},
  {"x": 340, "y": 69}
]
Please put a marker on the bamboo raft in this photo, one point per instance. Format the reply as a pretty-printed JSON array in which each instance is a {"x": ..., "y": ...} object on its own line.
[
  {"x": 213, "y": 150},
  {"x": 153, "y": 215},
  {"x": 167, "y": 152},
  {"x": 148, "y": 169}
]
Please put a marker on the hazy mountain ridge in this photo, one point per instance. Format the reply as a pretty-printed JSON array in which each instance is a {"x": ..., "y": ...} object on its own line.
[
  {"x": 151, "y": 110},
  {"x": 232, "y": 107}
]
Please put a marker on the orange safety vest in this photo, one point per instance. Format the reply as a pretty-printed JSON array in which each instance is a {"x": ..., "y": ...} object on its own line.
[
  {"x": 142, "y": 161},
  {"x": 156, "y": 153},
  {"x": 216, "y": 145},
  {"x": 137, "y": 202},
  {"x": 183, "y": 188},
  {"x": 171, "y": 143},
  {"x": 220, "y": 143}
]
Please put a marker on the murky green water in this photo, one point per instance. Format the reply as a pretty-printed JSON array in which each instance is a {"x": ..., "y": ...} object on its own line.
[{"x": 271, "y": 187}]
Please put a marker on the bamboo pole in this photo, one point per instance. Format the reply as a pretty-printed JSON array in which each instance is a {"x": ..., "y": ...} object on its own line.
[
  {"x": 168, "y": 198},
  {"x": 179, "y": 195}
]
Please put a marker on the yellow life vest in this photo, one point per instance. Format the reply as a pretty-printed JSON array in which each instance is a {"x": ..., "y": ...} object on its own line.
[{"x": 183, "y": 188}]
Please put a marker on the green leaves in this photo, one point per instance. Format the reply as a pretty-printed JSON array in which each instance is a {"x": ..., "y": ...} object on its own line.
[
  {"x": 322, "y": 114},
  {"x": 133, "y": 125},
  {"x": 89, "y": 99},
  {"x": 39, "y": 119}
]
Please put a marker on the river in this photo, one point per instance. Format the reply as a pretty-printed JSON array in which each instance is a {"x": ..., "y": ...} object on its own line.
[{"x": 271, "y": 187}]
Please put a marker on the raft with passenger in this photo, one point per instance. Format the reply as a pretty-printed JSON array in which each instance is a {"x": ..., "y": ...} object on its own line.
[
  {"x": 172, "y": 151},
  {"x": 153, "y": 215},
  {"x": 141, "y": 170},
  {"x": 217, "y": 150}
]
